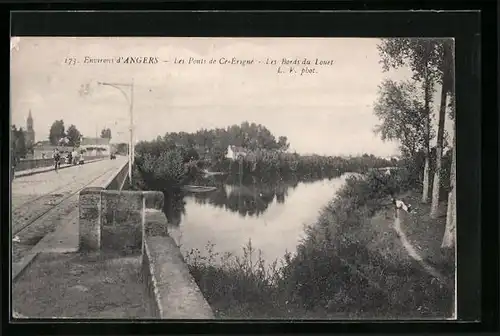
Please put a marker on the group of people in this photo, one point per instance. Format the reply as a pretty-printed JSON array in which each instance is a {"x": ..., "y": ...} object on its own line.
[{"x": 72, "y": 157}]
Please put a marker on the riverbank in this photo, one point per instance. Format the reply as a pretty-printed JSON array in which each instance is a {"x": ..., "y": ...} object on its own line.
[{"x": 354, "y": 263}]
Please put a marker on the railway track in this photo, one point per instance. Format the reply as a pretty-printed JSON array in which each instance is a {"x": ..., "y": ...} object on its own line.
[
  {"x": 56, "y": 190},
  {"x": 44, "y": 204}
]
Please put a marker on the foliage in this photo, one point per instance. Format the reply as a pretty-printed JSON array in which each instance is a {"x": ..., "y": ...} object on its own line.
[
  {"x": 425, "y": 57},
  {"x": 214, "y": 142},
  {"x": 106, "y": 133},
  {"x": 73, "y": 135},
  {"x": 122, "y": 148},
  {"x": 403, "y": 116},
  {"x": 283, "y": 143},
  {"x": 18, "y": 143},
  {"x": 57, "y": 132},
  {"x": 263, "y": 163},
  {"x": 163, "y": 166},
  {"x": 167, "y": 169},
  {"x": 333, "y": 271}
]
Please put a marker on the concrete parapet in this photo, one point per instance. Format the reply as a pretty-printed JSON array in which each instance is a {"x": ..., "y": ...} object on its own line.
[
  {"x": 155, "y": 223},
  {"x": 89, "y": 222},
  {"x": 154, "y": 200},
  {"x": 48, "y": 162},
  {"x": 174, "y": 290},
  {"x": 114, "y": 220},
  {"x": 121, "y": 221},
  {"x": 117, "y": 181},
  {"x": 132, "y": 222}
]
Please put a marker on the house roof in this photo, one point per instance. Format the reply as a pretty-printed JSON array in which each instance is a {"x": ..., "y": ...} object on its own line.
[
  {"x": 238, "y": 149},
  {"x": 94, "y": 141},
  {"x": 43, "y": 143}
]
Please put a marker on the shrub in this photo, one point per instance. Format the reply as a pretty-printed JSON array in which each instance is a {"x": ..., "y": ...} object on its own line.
[{"x": 332, "y": 271}]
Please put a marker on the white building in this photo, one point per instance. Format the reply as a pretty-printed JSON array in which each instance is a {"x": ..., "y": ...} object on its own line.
[
  {"x": 235, "y": 152},
  {"x": 96, "y": 146}
]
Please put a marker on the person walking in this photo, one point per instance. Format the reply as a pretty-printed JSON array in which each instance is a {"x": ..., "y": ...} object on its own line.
[
  {"x": 57, "y": 159},
  {"x": 74, "y": 155}
]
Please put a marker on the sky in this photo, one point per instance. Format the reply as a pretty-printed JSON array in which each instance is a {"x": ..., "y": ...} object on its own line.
[{"x": 329, "y": 112}]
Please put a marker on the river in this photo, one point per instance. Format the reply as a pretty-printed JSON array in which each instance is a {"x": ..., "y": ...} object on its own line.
[{"x": 272, "y": 215}]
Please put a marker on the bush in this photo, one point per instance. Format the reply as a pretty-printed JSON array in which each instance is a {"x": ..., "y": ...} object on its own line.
[
  {"x": 162, "y": 167},
  {"x": 306, "y": 167},
  {"x": 332, "y": 272}
]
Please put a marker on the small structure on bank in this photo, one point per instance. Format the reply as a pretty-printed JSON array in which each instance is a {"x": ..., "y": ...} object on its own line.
[{"x": 235, "y": 152}]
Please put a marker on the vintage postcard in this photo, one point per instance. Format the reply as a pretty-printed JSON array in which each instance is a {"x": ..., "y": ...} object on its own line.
[{"x": 233, "y": 178}]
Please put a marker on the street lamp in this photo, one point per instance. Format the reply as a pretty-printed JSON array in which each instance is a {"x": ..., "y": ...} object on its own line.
[{"x": 130, "y": 100}]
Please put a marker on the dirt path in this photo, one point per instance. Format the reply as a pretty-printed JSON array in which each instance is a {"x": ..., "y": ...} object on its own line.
[{"x": 412, "y": 252}]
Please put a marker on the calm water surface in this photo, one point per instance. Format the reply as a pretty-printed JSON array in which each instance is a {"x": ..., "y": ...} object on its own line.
[{"x": 271, "y": 214}]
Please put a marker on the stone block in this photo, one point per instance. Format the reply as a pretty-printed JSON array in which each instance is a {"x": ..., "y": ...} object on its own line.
[
  {"x": 121, "y": 220},
  {"x": 90, "y": 219},
  {"x": 154, "y": 199},
  {"x": 155, "y": 223}
]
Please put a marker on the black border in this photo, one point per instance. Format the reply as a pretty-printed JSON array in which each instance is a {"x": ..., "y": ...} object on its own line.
[{"x": 471, "y": 31}]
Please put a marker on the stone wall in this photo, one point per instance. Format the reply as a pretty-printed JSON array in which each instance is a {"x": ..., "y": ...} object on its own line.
[
  {"x": 167, "y": 276},
  {"x": 113, "y": 220},
  {"x": 132, "y": 222}
]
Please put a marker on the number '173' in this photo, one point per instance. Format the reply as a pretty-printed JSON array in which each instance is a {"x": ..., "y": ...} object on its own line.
[{"x": 70, "y": 60}]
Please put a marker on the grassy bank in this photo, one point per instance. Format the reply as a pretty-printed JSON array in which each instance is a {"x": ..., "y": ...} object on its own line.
[
  {"x": 350, "y": 264},
  {"x": 265, "y": 163},
  {"x": 161, "y": 167}
]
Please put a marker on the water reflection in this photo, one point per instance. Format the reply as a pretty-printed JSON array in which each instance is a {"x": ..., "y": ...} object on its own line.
[
  {"x": 246, "y": 196},
  {"x": 174, "y": 206},
  {"x": 271, "y": 214}
]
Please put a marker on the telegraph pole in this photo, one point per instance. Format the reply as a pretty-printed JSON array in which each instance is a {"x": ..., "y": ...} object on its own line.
[{"x": 130, "y": 100}]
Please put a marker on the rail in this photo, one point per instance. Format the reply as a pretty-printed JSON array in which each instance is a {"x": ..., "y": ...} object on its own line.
[{"x": 40, "y": 163}]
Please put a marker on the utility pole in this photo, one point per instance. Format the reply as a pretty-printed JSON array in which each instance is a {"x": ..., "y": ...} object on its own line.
[{"x": 130, "y": 100}]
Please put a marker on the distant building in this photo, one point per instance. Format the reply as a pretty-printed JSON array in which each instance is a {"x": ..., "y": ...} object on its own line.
[
  {"x": 29, "y": 133},
  {"x": 29, "y": 136},
  {"x": 235, "y": 152},
  {"x": 96, "y": 146},
  {"x": 44, "y": 150}
]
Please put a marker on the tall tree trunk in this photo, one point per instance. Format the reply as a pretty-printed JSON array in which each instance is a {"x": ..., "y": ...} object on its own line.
[
  {"x": 425, "y": 187},
  {"x": 447, "y": 78},
  {"x": 451, "y": 214},
  {"x": 427, "y": 100},
  {"x": 439, "y": 153}
]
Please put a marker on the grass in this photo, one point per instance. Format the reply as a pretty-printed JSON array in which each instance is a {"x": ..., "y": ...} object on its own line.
[
  {"x": 82, "y": 286},
  {"x": 351, "y": 264}
]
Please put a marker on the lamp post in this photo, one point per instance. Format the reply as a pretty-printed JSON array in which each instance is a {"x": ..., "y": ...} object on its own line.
[{"x": 130, "y": 100}]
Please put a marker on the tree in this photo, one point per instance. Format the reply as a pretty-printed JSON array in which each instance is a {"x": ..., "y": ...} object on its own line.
[
  {"x": 73, "y": 135},
  {"x": 451, "y": 213},
  {"x": 283, "y": 143},
  {"x": 56, "y": 132},
  {"x": 447, "y": 87},
  {"x": 19, "y": 142},
  {"x": 122, "y": 148},
  {"x": 16, "y": 146},
  {"x": 403, "y": 116},
  {"x": 106, "y": 133},
  {"x": 13, "y": 138},
  {"x": 422, "y": 56}
]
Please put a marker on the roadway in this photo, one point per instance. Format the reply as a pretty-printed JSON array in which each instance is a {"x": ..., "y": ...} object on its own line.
[{"x": 43, "y": 202}]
